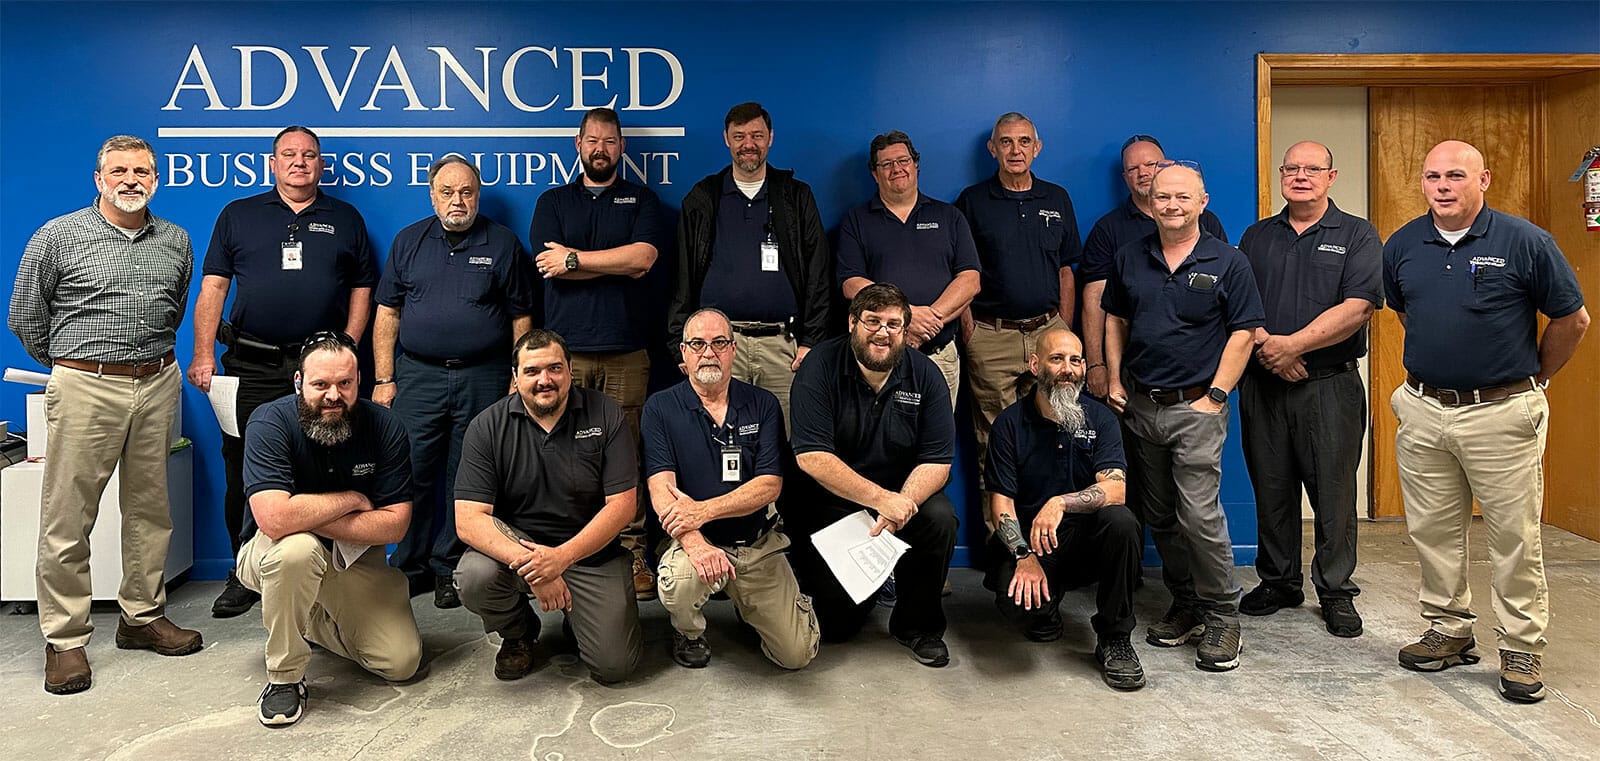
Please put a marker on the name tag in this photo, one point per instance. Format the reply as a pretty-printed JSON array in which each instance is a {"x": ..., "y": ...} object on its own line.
[
  {"x": 730, "y": 465},
  {"x": 487, "y": 261},
  {"x": 1331, "y": 247},
  {"x": 292, "y": 251},
  {"x": 769, "y": 256},
  {"x": 927, "y": 225}
]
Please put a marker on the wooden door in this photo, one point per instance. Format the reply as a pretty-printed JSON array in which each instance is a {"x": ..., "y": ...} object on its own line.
[{"x": 1405, "y": 122}]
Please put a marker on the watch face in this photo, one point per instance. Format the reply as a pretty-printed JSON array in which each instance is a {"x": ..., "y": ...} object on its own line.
[
  {"x": 1217, "y": 395},
  {"x": 572, "y": 260}
]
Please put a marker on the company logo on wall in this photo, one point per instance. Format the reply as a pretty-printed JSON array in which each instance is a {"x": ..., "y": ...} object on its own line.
[{"x": 513, "y": 112}]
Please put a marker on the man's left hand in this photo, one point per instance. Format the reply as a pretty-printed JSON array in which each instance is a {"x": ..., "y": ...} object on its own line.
[
  {"x": 684, "y": 514},
  {"x": 1277, "y": 352},
  {"x": 541, "y": 565},
  {"x": 552, "y": 261},
  {"x": 800, "y": 353},
  {"x": 553, "y": 595}
]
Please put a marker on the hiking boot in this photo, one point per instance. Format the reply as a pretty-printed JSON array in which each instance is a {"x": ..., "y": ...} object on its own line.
[
  {"x": 929, "y": 651},
  {"x": 1437, "y": 652},
  {"x": 445, "y": 595},
  {"x": 1339, "y": 613},
  {"x": 67, "y": 671},
  {"x": 1219, "y": 646},
  {"x": 1044, "y": 628},
  {"x": 1178, "y": 627},
  {"x": 282, "y": 704},
  {"x": 236, "y": 599},
  {"x": 1519, "y": 677},
  {"x": 1119, "y": 664},
  {"x": 515, "y": 659},
  {"x": 644, "y": 582},
  {"x": 1267, "y": 599},
  {"x": 160, "y": 635},
  {"x": 690, "y": 653}
]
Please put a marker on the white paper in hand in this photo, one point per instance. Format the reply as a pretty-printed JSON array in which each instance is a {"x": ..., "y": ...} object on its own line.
[
  {"x": 224, "y": 396},
  {"x": 861, "y": 562},
  {"x": 345, "y": 554}
]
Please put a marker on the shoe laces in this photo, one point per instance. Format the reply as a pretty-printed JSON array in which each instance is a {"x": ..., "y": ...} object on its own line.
[
  {"x": 1120, "y": 649},
  {"x": 1522, "y": 663},
  {"x": 1215, "y": 635},
  {"x": 1433, "y": 639}
]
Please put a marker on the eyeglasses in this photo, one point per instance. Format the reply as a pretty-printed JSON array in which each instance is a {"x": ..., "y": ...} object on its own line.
[
  {"x": 1290, "y": 170},
  {"x": 1140, "y": 139},
  {"x": 873, "y": 325},
  {"x": 1195, "y": 165},
  {"x": 327, "y": 336},
  {"x": 698, "y": 345},
  {"x": 887, "y": 164}
]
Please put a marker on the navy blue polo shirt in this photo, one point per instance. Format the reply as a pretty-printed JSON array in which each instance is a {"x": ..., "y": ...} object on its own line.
[
  {"x": 456, "y": 302},
  {"x": 549, "y": 485},
  {"x": 1121, "y": 226},
  {"x": 735, "y": 282},
  {"x": 881, "y": 435},
  {"x": 1179, "y": 322},
  {"x": 1470, "y": 308},
  {"x": 374, "y": 462},
  {"x": 680, "y": 436},
  {"x": 284, "y": 306},
  {"x": 921, "y": 255},
  {"x": 1023, "y": 238},
  {"x": 610, "y": 312},
  {"x": 1302, "y": 275},
  {"x": 1032, "y": 459}
]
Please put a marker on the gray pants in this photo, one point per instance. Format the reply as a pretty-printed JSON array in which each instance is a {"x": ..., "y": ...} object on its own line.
[
  {"x": 604, "y": 615},
  {"x": 1178, "y": 451}
]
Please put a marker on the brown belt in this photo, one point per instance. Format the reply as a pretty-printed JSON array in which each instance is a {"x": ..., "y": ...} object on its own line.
[
  {"x": 1166, "y": 397},
  {"x": 1027, "y": 326},
  {"x": 135, "y": 370},
  {"x": 1450, "y": 397}
]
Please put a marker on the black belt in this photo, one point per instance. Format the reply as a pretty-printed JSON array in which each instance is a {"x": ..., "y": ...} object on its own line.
[
  {"x": 1027, "y": 326},
  {"x": 1450, "y": 397},
  {"x": 1166, "y": 397},
  {"x": 1329, "y": 372},
  {"x": 455, "y": 364},
  {"x": 760, "y": 329}
]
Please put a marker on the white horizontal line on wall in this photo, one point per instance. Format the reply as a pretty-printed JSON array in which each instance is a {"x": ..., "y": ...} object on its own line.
[{"x": 462, "y": 132}]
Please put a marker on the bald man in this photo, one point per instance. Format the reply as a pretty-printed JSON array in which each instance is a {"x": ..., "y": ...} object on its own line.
[
  {"x": 1468, "y": 282},
  {"x": 1181, "y": 313}
]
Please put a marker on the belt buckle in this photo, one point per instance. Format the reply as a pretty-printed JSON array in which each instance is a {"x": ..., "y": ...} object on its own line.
[
  {"x": 453, "y": 364},
  {"x": 1455, "y": 396},
  {"x": 1152, "y": 393}
]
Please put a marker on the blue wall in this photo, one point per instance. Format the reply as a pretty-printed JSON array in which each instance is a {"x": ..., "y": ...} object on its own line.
[{"x": 833, "y": 75}]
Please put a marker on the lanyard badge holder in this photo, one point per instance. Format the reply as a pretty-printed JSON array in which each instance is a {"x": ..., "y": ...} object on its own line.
[{"x": 293, "y": 251}]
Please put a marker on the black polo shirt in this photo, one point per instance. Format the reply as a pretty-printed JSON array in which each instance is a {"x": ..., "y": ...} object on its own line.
[
  {"x": 921, "y": 255},
  {"x": 374, "y": 462},
  {"x": 549, "y": 485},
  {"x": 1032, "y": 459},
  {"x": 457, "y": 301},
  {"x": 735, "y": 281},
  {"x": 882, "y": 436},
  {"x": 280, "y": 305},
  {"x": 1023, "y": 239},
  {"x": 1302, "y": 275},
  {"x": 680, "y": 436},
  {"x": 1122, "y": 226},
  {"x": 610, "y": 312},
  {"x": 1470, "y": 307},
  {"x": 1179, "y": 322}
]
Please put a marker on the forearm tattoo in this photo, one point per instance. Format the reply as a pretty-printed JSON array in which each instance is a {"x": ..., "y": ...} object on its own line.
[
  {"x": 1086, "y": 501},
  {"x": 1114, "y": 474},
  {"x": 501, "y": 526},
  {"x": 1011, "y": 536}
]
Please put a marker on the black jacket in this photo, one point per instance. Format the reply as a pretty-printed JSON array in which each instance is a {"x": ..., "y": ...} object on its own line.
[{"x": 802, "y": 251}]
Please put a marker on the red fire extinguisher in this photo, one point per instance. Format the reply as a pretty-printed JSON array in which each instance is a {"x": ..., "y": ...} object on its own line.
[{"x": 1591, "y": 190}]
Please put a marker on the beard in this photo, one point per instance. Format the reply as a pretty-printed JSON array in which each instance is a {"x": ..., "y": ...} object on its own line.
[
  {"x": 708, "y": 375},
  {"x": 1062, "y": 392},
  {"x": 458, "y": 223},
  {"x": 749, "y": 162},
  {"x": 114, "y": 195},
  {"x": 324, "y": 430},
  {"x": 599, "y": 175},
  {"x": 860, "y": 347},
  {"x": 544, "y": 410}
]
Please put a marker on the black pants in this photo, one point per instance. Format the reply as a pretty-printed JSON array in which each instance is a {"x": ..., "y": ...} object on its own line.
[
  {"x": 1102, "y": 547},
  {"x": 1304, "y": 434},
  {"x": 261, "y": 379},
  {"x": 919, "y": 576}
]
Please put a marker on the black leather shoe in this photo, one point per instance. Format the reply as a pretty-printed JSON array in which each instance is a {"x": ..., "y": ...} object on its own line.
[
  {"x": 235, "y": 600},
  {"x": 1267, "y": 599},
  {"x": 444, "y": 593},
  {"x": 690, "y": 653},
  {"x": 1339, "y": 613}
]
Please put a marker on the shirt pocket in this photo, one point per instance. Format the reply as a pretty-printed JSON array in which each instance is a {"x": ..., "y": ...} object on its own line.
[
  {"x": 586, "y": 469},
  {"x": 1197, "y": 305},
  {"x": 475, "y": 285},
  {"x": 900, "y": 429},
  {"x": 1491, "y": 289}
]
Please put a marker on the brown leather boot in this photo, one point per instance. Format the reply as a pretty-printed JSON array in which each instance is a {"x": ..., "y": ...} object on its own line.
[
  {"x": 160, "y": 635},
  {"x": 66, "y": 672},
  {"x": 516, "y": 657}
]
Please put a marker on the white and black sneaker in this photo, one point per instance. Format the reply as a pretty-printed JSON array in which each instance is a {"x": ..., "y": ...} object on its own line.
[{"x": 282, "y": 704}]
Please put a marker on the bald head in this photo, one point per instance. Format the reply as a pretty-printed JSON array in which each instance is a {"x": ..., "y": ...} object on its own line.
[
  {"x": 1305, "y": 176},
  {"x": 1054, "y": 339},
  {"x": 1454, "y": 180},
  {"x": 1177, "y": 198}
]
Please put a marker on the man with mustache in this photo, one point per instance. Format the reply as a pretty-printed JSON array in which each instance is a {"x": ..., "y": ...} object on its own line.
[
  {"x": 1302, "y": 406},
  {"x": 596, "y": 237},
  {"x": 98, "y": 298},
  {"x": 714, "y": 450},
  {"x": 873, "y": 429},
  {"x": 751, "y": 243},
  {"x": 1055, "y": 474},
  {"x": 1181, "y": 313},
  {"x": 457, "y": 291},
  {"x": 548, "y": 478},
  {"x": 328, "y": 476},
  {"x": 1468, "y": 283},
  {"x": 302, "y": 264},
  {"x": 922, "y": 245}
]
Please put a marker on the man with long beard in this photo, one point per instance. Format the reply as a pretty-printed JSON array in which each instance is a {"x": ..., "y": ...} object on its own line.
[
  {"x": 596, "y": 237},
  {"x": 1055, "y": 471},
  {"x": 328, "y": 477},
  {"x": 873, "y": 429}
]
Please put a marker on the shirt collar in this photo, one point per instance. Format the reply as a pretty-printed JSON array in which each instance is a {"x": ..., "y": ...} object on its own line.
[
  {"x": 319, "y": 203},
  {"x": 1332, "y": 217},
  {"x": 876, "y": 204},
  {"x": 998, "y": 190},
  {"x": 149, "y": 217},
  {"x": 729, "y": 187},
  {"x": 477, "y": 234}
]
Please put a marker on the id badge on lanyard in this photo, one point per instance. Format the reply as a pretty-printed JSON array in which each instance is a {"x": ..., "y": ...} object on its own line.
[{"x": 730, "y": 465}]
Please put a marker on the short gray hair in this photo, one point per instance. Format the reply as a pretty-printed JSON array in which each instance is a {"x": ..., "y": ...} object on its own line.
[{"x": 123, "y": 143}]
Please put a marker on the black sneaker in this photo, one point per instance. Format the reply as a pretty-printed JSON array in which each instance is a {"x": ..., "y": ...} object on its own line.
[
  {"x": 1119, "y": 664},
  {"x": 1267, "y": 599},
  {"x": 235, "y": 600},
  {"x": 282, "y": 704},
  {"x": 1219, "y": 646},
  {"x": 444, "y": 593},
  {"x": 1339, "y": 613},
  {"x": 887, "y": 596},
  {"x": 929, "y": 651},
  {"x": 1178, "y": 627},
  {"x": 1044, "y": 628},
  {"x": 690, "y": 653}
]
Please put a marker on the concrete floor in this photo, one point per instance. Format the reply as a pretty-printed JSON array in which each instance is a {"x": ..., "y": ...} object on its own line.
[{"x": 1300, "y": 693}]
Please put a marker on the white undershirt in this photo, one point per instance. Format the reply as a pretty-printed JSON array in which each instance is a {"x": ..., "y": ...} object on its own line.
[
  {"x": 1454, "y": 236},
  {"x": 750, "y": 189},
  {"x": 131, "y": 232}
]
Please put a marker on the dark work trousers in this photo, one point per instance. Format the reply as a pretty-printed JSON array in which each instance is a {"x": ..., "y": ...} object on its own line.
[
  {"x": 263, "y": 377},
  {"x": 1102, "y": 547},
  {"x": 436, "y": 404},
  {"x": 1304, "y": 434},
  {"x": 918, "y": 577}
]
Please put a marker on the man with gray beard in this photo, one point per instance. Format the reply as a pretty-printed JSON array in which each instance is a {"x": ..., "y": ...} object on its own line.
[
  {"x": 1056, "y": 474},
  {"x": 328, "y": 477}
]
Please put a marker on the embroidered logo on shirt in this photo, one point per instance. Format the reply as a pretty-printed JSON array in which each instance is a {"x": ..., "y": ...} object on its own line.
[
  {"x": 625, "y": 199},
  {"x": 927, "y": 225},
  {"x": 588, "y": 433},
  {"x": 1331, "y": 247},
  {"x": 1487, "y": 261},
  {"x": 911, "y": 398},
  {"x": 1050, "y": 214},
  {"x": 749, "y": 430},
  {"x": 321, "y": 227},
  {"x": 1086, "y": 436},
  {"x": 364, "y": 469},
  {"x": 485, "y": 260}
]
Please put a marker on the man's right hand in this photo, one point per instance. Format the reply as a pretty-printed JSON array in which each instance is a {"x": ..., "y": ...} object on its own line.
[
  {"x": 1029, "y": 587},
  {"x": 710, "y": 562},
  {"x": 893, "y": 513},
  {"x": 1097, "y": 381},
  {"x": 552, "y": 595},
  {"x": 200, "y": 372},
  {"x": 385, "y": 394},
  {"x": 1117, "y": 397}
]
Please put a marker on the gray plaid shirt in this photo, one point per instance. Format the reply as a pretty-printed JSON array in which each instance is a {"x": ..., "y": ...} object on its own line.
[{"x": 85, "y": 291}]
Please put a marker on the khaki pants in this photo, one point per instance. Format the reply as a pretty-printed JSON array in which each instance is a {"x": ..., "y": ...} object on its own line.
[
  {"x": 625, "y": 377},
  {"x": 949, "y": 362},
  {"x": 95, "y": 422},
  {"x": 362, "y": 613},
  {"x": 998, "y": 375},
  {"x": 1493, "y": 452},
  {"x": 763, "y": 590},
  {"x": 764, "y": 361}
]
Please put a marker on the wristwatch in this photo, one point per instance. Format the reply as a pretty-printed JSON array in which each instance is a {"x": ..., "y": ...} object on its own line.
[
  {"x": 1217, "y": 395},
  {"x": 572, "y": 260}
]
